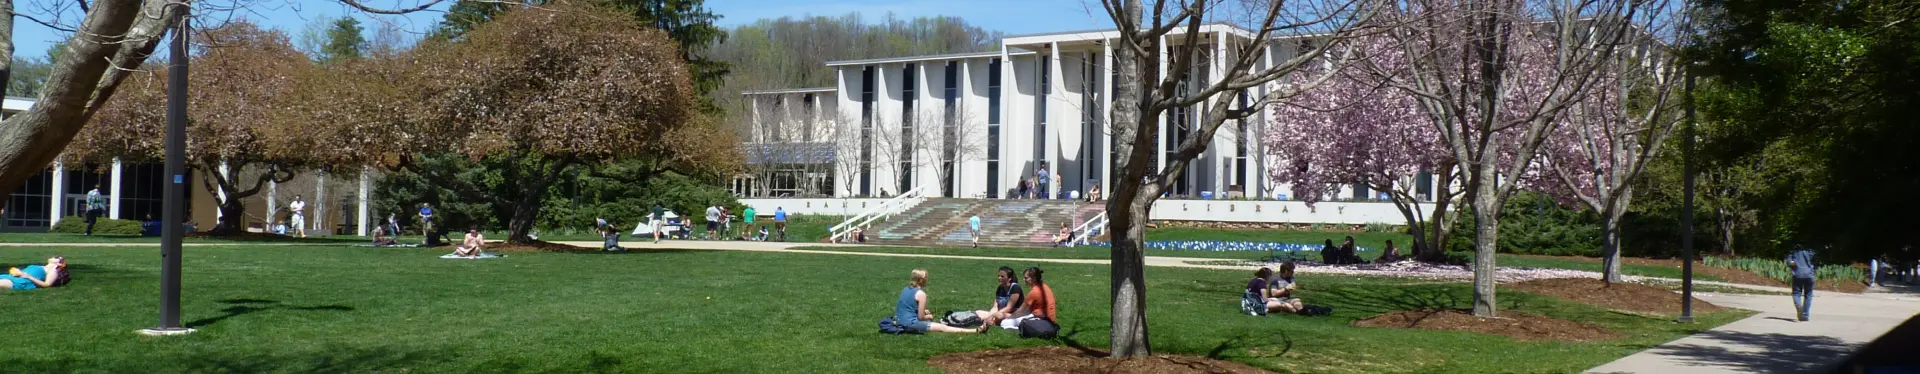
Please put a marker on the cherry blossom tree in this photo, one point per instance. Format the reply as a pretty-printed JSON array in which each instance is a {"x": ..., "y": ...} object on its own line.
[
  {"x": 1353, "y": 129},
  {"x": 1494, "y": 78},
  {"x": 1610, "y": 136}
]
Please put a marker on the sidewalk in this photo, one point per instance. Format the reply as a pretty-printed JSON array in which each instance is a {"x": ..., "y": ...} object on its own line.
[{"x": 1772, "y": 342}]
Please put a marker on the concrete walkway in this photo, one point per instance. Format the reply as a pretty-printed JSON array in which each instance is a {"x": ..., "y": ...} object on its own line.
[{"x": 1772, "y": 341}]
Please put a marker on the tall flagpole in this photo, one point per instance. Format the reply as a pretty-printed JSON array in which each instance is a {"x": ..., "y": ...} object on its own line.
[{"x": 174, "y": 211}]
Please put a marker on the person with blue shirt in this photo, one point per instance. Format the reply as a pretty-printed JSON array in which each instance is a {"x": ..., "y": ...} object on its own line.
[
  {"x": 1801, "y": 262},
  {"x": 1044, "y": 183},
  {"x": 973, "y": 224},
  {"x": 1006, "y": 299},
  {"x": 53, "y": 274},
  {"x": 426, "y": 220},
  {"x": 910, "y": 311},
  {"x": 780, "y": 221}
]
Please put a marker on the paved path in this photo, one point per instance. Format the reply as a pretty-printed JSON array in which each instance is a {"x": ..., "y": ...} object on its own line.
[{"x": 1772, "y": 342}]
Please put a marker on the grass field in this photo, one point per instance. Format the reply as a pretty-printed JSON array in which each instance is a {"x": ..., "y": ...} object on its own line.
[{"x": 346, "y": 309}]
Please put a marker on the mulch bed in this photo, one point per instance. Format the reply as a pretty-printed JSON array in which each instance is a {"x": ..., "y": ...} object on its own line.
[
  {"x": 1516, "y": 325},
  {"x": 1730, "y": 275},
  {"x": 1622, "y": 296},
  {"x": 1055, "y": 359}
]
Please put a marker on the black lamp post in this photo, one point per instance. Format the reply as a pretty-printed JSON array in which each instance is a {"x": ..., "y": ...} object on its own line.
[{"x": 174, "y": 211}]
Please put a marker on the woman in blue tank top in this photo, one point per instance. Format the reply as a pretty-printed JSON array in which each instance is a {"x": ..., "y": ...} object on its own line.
[
  {"x": 910, "y": 310},
  {"x": 53, "y": 274}
]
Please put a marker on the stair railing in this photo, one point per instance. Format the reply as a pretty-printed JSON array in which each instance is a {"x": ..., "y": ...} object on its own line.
[
  {"x": 1088, "y": 229},
  {"x": 884, "y": 211}
]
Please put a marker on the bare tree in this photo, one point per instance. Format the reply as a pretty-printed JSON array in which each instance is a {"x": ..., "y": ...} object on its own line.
[
  {"x": 1172, "y": 35},
  {"x": 1610, "y": 137},
  {"x": 790, "y": 146},
  {"x": 1494, "y": 77}
]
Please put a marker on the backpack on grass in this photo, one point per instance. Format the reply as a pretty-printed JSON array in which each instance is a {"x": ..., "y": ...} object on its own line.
[
  {"x": 1038, "y": 328},
  {"x": 963, "y": 319},
  {"x": 888, "y": 327},
  {"x": 1316, "y": 310}
]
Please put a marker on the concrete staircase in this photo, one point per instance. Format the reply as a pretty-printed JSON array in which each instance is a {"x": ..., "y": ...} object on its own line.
[{"x": 1004, "y": 223}]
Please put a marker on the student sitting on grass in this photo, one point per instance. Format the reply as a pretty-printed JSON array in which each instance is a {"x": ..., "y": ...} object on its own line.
[
  {"x": 1006, "y": 299},
  {"x": 1064, "y": 236},
  {"x": 1280, "y": 287},
  {"x": 1039, "y": 301},
  {"x": 910, "y": 311},
  {"x": 612, "y": 236},
  {"x": 53, "y": 274},
  {"x": 380, "y": 237},
  {"x": 1388, "y": 255},
  {"x": 471, "y": 246},
  {"x": 1253, "y": 301}
]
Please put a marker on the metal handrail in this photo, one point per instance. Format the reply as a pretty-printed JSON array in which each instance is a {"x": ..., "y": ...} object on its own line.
[
  {"x": 1092, "y": 225},
  {"x": 885, "y": 210}
]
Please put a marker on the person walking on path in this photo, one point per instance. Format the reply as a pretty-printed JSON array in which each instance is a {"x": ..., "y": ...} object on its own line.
[
  {"x": 95, "y": 205},
  {"x": 780, "y": 221},
  {"x": 426, "y": 223},
  {"x": 1801, "y": 262},
  {"x": 658, "y": 219},
  {"x": 713, "y": 222},
  {"x": 973, "y": 225},
  {"x": 299, "y": 209}
]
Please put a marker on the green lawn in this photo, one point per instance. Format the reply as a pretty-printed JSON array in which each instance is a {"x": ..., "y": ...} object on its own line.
[{"x": 347, "y": 309}]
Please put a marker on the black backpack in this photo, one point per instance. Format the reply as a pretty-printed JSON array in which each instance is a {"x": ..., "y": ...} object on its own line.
[
  {"x": 961, "y": 319},
  {"x": 1038, "y": 328}
]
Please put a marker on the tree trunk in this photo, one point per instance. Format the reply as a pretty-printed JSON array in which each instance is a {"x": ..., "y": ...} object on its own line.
[
  {"x": 235, "y": 212},
  {"x": 6, "y": 47},
  {"x": 1442, "y": 197},
  {"x": 1610, "y": 251},
  {"x": 1485, "y": 198},
  {"x": 1726, "y": 230},
  {"x": 80, "y": 81},
  {"x": 533, "y": 184},
  {"x": 1129, "y": 291}
]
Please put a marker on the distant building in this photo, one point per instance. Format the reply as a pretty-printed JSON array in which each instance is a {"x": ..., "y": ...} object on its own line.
[{"x": 976, "y": 124}]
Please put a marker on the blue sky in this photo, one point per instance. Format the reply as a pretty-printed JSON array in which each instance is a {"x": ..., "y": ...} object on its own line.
[{"x": 1010, "y": 16}]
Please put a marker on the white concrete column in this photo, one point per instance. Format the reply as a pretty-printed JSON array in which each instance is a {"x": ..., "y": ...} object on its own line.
[
  {"x": 273, "y": 200},
  {"x": 1160, "y": 121},
  {"x": 113, "y": 200},
  {"x": 1106, "y": 115},
  {"x": 1259, "y": 181},
  {"x": 1216, "y": 158},
  {"x": 318, "y": 219},
  {"x": 1007, "y": 91},
  {"x": 366, "y": 187},
  {"x": 220, "y": 196},
  {"x": 59, "y": 194},
  {"x": 753, "y": 111},
  {"x": 1056, "y": 84}
]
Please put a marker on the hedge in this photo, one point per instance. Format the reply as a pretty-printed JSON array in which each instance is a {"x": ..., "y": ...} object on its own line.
[{"x": 103, "y": 226}]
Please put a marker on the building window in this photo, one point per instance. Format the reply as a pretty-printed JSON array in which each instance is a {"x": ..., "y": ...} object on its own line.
[
  {"x": 1040, "y": 111},
  {"x": 1423, "y": 186},
  {"x": 993, "y": 92},
  {"x": 949, "y": 139},
  {"x": 866, "y": 131},
  {"x": 909, "y": 81}
]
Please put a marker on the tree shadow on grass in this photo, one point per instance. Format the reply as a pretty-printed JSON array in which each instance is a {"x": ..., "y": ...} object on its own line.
[
  {"x": 332, "y": 360},
  {"x": 243, "y": 306},
  {"x": 1776, "y": 353}
]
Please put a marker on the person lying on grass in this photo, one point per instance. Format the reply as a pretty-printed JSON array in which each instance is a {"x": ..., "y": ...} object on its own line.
[
  {"x": 1006, "y": 299},
  {"x": 1280, "y": 297},
  {"x": 53, "y": 274},
  {"x": 910, "y": 311},
  {"x": 471, "y": 246},
  {"x": 1253, "y": 301},
  {"x": 1039, "y": 301}
]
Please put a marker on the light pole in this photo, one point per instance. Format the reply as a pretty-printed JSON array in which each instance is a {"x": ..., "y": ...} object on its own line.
[
  {"x": 174, "y": 210},
  {"x": 1686, "y": 214}
]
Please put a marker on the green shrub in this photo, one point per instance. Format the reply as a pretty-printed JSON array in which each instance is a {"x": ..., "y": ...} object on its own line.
[
  {"x": 1532, "y": 223},
  {"x": 1458, "y": 258},
  {"x": 103, "y": 226},
  {"x": 1777, "y": 269},
  {"x": 1382, "y": 227}
]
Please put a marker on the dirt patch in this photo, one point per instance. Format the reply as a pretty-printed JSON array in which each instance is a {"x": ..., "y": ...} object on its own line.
[
  {"x": 1069, "y": 360},
  {"x": 1516, "y": 325},
  {"x": 1622, "y": 296}
]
